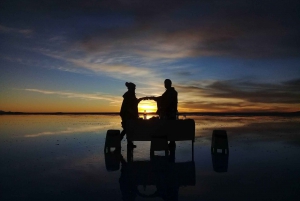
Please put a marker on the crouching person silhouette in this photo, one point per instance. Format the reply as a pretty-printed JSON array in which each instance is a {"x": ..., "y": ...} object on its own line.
[{"x": 129, "y": 109}]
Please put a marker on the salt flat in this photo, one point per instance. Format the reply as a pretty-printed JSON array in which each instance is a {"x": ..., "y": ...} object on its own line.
[{"x": 60, "y": 157}]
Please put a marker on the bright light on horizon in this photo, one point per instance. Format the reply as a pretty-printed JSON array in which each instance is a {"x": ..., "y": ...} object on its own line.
[{"x": 149, "y": 106}]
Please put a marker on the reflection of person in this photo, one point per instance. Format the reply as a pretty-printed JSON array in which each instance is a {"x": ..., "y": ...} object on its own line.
[
  {"x": 127, "y": 182},
  {"x": 129, "y": 108},
  {"x": 165, "y": 179}
]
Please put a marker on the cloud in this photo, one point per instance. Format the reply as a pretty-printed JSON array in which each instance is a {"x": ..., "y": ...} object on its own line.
[
  {"x": 101, "y": 64},
  {"x": 95, "y": 96},
  {"x": 242, "y": 106},
  {"x": 41, "y": 62},
  {"x": 173, "y": 28},
  {"x": 183, "y": 73},
  {"x": 5, "y": 29},
  {"x": 231, "y": 28},
  {"x": 256, "y": 92},
  {"x": 239, "y": 95}
]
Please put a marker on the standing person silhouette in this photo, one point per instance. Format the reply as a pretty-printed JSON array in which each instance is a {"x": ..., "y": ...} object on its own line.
[
  {"x": 167, "y": 104},
  {"x": 129, "y": 109}
]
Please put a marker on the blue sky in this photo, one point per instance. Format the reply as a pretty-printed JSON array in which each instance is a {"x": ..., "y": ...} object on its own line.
[{"x": 221, "y": 55}]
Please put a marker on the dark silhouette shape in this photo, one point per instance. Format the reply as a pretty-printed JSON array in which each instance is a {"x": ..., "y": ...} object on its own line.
[
  {"x": 219, "y": 150},
  {"x": 112, "y": 139},
  {"x": 129, "y": 108},
  {"x": 112, "y": 158},
  {"x": 167, "y": 104},
  {"x": 159, "y": 143},
  {"x": 127, "y": 182},
  {"x": 160, "y": 171},
  {"x": 152, "y": 129}
]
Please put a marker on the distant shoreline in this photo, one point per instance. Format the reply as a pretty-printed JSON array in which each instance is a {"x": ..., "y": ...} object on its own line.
[{"x": 288, "y": 114}]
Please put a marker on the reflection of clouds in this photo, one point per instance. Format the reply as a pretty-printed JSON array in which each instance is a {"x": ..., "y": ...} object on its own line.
[
  {"x": 250, "y": 129},
  {"x": 70, "y": 130}
]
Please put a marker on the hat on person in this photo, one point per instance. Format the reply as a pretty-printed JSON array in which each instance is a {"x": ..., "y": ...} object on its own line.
[{"x": 129, "y": 85}]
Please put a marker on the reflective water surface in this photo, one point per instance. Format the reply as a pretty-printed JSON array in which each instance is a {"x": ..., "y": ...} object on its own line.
[{"x": 62, "y": 157}]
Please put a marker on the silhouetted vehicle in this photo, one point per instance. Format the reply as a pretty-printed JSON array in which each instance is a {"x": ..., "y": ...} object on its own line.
[{"x": 157, "y": 130}]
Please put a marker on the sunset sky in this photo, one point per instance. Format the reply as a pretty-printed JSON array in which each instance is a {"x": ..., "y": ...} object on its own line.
[{"x": 222, "y": 56}]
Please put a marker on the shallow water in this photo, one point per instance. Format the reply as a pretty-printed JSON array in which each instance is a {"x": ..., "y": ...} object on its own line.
[{"x": 62, "y": 157}]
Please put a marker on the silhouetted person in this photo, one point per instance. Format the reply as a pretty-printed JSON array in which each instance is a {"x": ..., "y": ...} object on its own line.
[
  {"x": 129, "y": 108},
  {"x": 167, "y": 104}
]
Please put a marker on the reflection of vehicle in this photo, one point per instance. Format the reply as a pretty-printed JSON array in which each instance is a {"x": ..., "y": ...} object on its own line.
[
  {"x": 219, "y": 150},
  {"x": 161, "y": 172},
  {"x": 165, "y": 176},
  {"x": 148, "y": 172},
  {"x": 112, "y": 158}
]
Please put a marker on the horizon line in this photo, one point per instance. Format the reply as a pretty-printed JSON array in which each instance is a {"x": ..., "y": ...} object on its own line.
[{"x": 296, "y": 113}]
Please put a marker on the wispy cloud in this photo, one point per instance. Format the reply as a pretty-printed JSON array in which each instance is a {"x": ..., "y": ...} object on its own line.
[
  {"x": 176, "y": 29},
  {"x": 6, "y": 29},
  {"x": 113, "y": 67},
  {"x": 240, "y": 95},
  {"x": 284, "y": 92},
  {"x": 95, "y": 96}
]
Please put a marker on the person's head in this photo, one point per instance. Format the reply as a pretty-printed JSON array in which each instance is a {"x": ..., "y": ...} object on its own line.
[
  {"x": 130, "y": 86},
  {"x": 168, "y": 83}
]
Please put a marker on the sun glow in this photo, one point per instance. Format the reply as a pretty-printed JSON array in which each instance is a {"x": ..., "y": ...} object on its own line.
[{"x": 149, "y": 106}]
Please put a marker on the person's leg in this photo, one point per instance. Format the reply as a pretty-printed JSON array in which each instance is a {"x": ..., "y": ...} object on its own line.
[
  {"x": 130, "y": 144},
  {"x": 172, "y": 144},
  {"x": 123, "y": 123},
  {"x": 122, "y": 134}
]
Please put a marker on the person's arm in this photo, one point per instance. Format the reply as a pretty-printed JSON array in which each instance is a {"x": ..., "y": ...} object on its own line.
[
  {"x": 150, "y": 98},
  {"x": 140, "y": 99}
]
